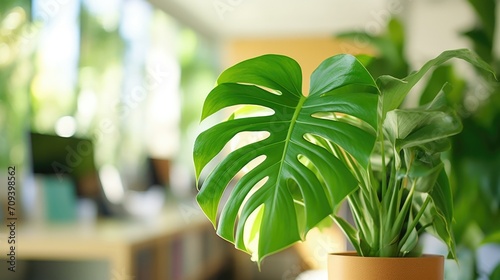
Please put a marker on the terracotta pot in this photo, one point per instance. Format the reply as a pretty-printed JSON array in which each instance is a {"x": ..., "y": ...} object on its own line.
[{"x": 349, "y": 266}]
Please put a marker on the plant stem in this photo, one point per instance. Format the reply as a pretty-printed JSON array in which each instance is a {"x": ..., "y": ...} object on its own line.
[
  {"x": 380, "y": 136},
  {"x": 398, "y": 224},
  {"x": 420, "y": 230},
  {"x": 415, "y": 221},
  {"x": 390, "y": 203},
  {"x": 365, "y": 185},
  {"x": 390, "y": 213},
  {"x": 350, "y": 232},
  {"x": 381, "y": 231},
  {"x": 358, "y": 218}
]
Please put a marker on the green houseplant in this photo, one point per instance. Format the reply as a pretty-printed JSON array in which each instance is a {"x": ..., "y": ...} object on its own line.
[
  {"x": 475, "y": 154},
  {"x": 347, "y": 140}
]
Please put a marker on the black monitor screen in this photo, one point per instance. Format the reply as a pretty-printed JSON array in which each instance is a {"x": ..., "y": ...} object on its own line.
[{"x": 66, "y": 156}]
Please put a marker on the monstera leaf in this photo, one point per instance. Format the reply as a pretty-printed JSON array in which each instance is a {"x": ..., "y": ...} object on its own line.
[{"x": 298, "y": 181}]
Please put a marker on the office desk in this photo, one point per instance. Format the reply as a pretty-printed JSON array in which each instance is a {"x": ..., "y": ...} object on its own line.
[{"x": 179, "y": 243}]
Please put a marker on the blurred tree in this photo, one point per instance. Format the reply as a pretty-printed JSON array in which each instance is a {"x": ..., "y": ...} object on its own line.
[
  {"x": 476, "y": 151},
  {"x": 389, "y": 47},
  {"x": 15, "y": 75}
]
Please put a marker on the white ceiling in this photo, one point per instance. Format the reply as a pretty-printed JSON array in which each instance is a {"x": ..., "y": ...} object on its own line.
[
  {"x": 271, "y": 18},
  {"x": 432, "y": 25}
]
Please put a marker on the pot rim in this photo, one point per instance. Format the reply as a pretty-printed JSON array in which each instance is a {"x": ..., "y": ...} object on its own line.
[{"x": 354, "y": 254}]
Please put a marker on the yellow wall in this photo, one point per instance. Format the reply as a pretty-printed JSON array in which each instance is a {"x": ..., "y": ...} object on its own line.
[{"x": 308, "y": 52}]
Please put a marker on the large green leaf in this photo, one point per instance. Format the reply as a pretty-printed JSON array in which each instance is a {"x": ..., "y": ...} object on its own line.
[
  {"x": 443, "y": 202},
  {"x": 439, "y": 214},
  {"x": 415, "y": 127},
  {"x": 340, "y": 87},
  {"x": 422, "y": 133}
]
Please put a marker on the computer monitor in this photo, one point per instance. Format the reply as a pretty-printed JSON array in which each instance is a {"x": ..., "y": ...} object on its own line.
[{"x": 71, "y": 157}]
